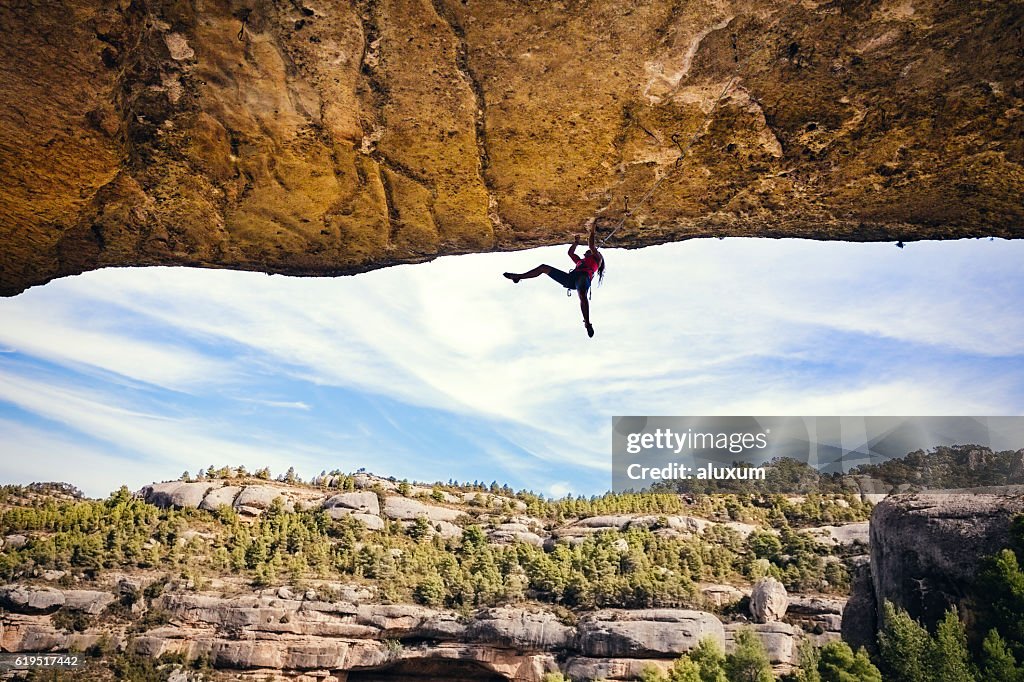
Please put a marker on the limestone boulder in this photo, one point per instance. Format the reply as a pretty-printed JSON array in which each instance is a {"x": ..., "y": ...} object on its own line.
[
  {"x": 407, "y": 620},
  {"x": 447, "y": 530},
  {"x": 245, "y": 655},
  {"x": 683, "y": 524},
  {"x": 371, "y": 521},
  {"x": 815, "y": 614},
  {"x": 405, "y": 509},
  {"x": 223, "y": 496},
  {"x": 339, "y": 513},
  {"x": 768, "y": 600},
  {"x": 610, "y": 522},
  {"x": 743, "y": 529},
  {"x": 14, "y": 541},
  {"x": 28, "y": 634},
  {"x": 92, "y": 602},
  {"x": 366, "y": 481},
  {"x": 363, "y": 502},
  {"x": 646, "y": 633},
  {"x": 350, "y": 593},
  {"x": 846, "y": 534},
  {"x": 520, "y": 629},
  {"x": 128, "y": 588},
  {"x": 30, "y": 600},
  {"x": 262, "y": 497},
  {"x": 631, "y": 669},
  {"x": 506, "y": 537},
  {"x": 720, "y": 595},
  {"x": 780, "y": 640},
  {"x": 177, "y": 494}
]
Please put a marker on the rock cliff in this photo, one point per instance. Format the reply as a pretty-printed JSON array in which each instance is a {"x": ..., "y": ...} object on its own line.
[
  {"x": 926, "y": 550},
  {"x": 276, "y": 634},
  {"x": 326, "y": 138}
]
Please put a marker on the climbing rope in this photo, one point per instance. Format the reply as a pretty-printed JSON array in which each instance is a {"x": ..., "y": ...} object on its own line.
[
  {"x": 626, "y": 213},
  {"x": 243, "y": 16}
]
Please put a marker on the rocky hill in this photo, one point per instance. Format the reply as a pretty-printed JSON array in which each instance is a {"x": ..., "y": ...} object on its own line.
[
  {"x": 323, "y": 138},
  {"x": 360, "y": 577}
]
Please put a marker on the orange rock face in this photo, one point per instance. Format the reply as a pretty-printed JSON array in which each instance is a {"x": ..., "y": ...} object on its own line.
[{"x": 326, "y": 138}]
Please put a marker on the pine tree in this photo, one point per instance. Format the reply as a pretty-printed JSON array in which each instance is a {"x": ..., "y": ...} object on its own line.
[
  {"x": 810, "y": 657},
  {"x": 838, "y": 663},
  {"x": 685, "y": 670},
  {"x": 749, "y": 661},
  {"x": 950, "y": 658},
  {"x": 710, "y": 660},
  {"x": 997, "y": 661},
  {"x": 905, "y": 646}
]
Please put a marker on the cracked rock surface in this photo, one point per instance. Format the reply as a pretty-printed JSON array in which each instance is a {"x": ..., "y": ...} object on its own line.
[{"x": 309, "y": 137}]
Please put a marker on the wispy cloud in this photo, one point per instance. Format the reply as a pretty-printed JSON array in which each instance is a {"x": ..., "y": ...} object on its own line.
[
  {"x": 41, "y": 454},
  {"x": 283, "y": 404},
  {"x": 506, "y": 371},
  {"x": 66, "y": 332},
  {"x": 163, "y": 441}
]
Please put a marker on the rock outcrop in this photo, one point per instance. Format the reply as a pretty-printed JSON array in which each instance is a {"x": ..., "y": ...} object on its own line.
[
  {"x": 926, "y": 550},
  {"x": 860, "y": 615},
  {"x": 404, "y": 509},
  {"x": 768, "y": 600},
  {"x": 364, "y": 502},
  {"x": 279, "y": 632},
  {"x": 650, "y": 633},
  {"x": 779, "y": 640},
  {"x": 331, "y": 138}
]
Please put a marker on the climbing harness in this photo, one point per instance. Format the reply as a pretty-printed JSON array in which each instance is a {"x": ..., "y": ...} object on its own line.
[
  {"x": 590, "y": 292},
  {"x": 626, "y": 213}
]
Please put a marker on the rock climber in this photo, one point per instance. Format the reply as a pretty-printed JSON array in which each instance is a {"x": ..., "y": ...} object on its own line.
[{"x": 581, "y": 276}]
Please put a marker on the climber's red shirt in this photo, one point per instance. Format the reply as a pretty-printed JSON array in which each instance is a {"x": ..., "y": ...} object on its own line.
[{"x": 588, "y": 264}]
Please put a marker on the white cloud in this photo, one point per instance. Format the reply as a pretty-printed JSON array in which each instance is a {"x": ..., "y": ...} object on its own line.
[
  {"x": 71, "y": 333},
  {"x": 560, "y": 489},
  {"x": 283, "y": 404},
  {"x": 35, "y": 455},
  {"x": 702, "y": 327},
  {"x": 164, "y": 442}
]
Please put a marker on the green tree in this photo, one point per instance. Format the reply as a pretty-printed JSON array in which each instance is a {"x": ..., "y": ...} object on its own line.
[
  {"x": 749, "y": 661},
  {"x": 838, "y": 663},
  {"x": 430, "y": 591},
  {"x": 710, "y": 660},
  {"x": 764, "y": 545},
  {"x": 950, "y": 658},
  {"x": 905, "y": 646},
  {"x": 810, "y": 656},
  {"x": 651, "y": 674},
  {"x": 685, "y": 669},
  {"x": 997, "y": 661},
  {"x": 1001, "y": 583},
  {"x": 420, "y": 528}
]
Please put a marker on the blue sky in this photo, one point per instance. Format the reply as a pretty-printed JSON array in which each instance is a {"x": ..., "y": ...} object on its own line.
[{"x": 446, "y": 370}]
